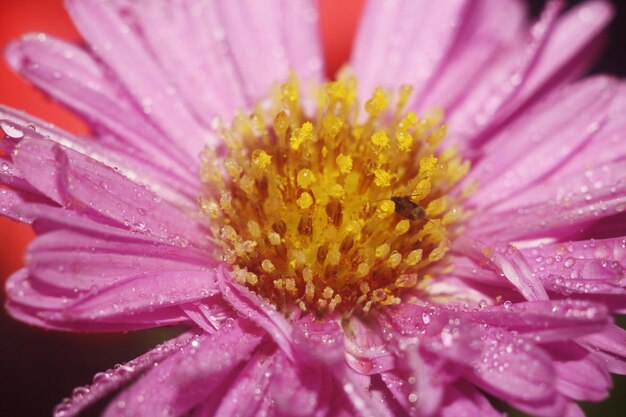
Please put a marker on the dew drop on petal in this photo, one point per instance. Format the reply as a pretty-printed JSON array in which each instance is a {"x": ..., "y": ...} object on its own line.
[{"x": 11, "y": 130}]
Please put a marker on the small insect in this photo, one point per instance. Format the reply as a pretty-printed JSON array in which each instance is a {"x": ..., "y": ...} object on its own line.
[{"x": 407, "y": 208}]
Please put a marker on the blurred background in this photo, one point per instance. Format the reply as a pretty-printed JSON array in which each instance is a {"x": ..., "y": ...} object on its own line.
[{"x": 39, "y": 368}]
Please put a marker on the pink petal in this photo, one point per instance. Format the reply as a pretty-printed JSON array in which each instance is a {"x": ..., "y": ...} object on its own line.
[
  {"x": 209, "y": 313},
  {"x": 544, "y": 321},
  {"x": 81, "y": 184},
  {"x": 610, "y": 346},
  {"x": 111, "y": 39},
  {"x": 13, "y": 204},
  {"x": 588, "y": 269},
  {"x": 248, "y": 304},
  {"x": 72, "y": 76},
  {"x": 264, "y": 41},
  {"x": 489, "y": 28},
  {"x": 574, "y": 410},
  {"x": 565, "y": 214},
  {"x": 607, "y": 145},
  {"x": 110, "y": 380},
  {"x": 81, "y": 262},
  {"x": 401, "y": 43},
  {"x": 186, "y": 41},
  {"x": 555, "y": 406},
  {"x": 463, "y": 400},
  {"x": 581, "y": 375},
  {"x": 248, "y": 394},
  {"x": 189, "y": 376},
  {"x": 507, "y": 260},
  {"x": 143, "y": 293},
  {"x": 39, "y": 306},
  {"x": 513, "y": 369},
  {"x": 501, "y": 80},
  {"x": 366, "y": 351},
  {"x": 540, "y": 141},
  {"x": 570, "y": 49},
  {"x": 298, "y": 390},
  {"x": 300, "y": 21},
  {"x": 320, "y": 343},
  {"x": 417, "y": 385},
  {"x": 172, "y": 183}
]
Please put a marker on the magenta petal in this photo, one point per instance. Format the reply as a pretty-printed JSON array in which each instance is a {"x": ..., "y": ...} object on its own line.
[
  {"x": 303, "y": 44},
  {"x": 298, "y": 390},
  {"x": 81, "y": 262},
  {"x": 416, "y": 384},
  {"x": 569, "y": 50},
  {"x": 587, "y": 269},
  {"x": 610, "y": 346},
  {"x": 366, "y": 351},
  {"x": 248, "y": 394},
  {"x": 37, "y": 306},
  {"x": 111, "y": 38},
  {"x": 581, "y": 375},
  {"x": 545, "y": 321},
  {"x": 463, "y": 400},
  {"x": 507, "y": 260},
  {"x": 488, "y": 29},
  {"x": 321, "y": 343},
  {"x": 189, "y": 376},
  {"x": 400, "y": 43},
  {"x": 249, "y": 305},
  {"x": 545, "y": 137},
  {"x": 601, "y": 249},
  {"x": 82, "y": 184},
  {"x": 183, "y": 40},
  {"x": 110, "y": 380},
  {"x": 562, "y": 215},
  {"x": 513, "y": 369},
  {"x": 145, "y": 292},
  {"x": 501, "y": 80},
  {"x": 574, "y": 410},
  {"x": 309, "y": 335},
  {"x": 607, "y": 145},
  {"x": 210, "y": 313},
  {"x": 555, "y": 406},
  {"x": 163, "y": 175},
  {"x": 19, "y": 289},
  {"x": 76, "y": 79},
  {"x": 251, "y": 27},
  {"x": 13, "y": 204}
]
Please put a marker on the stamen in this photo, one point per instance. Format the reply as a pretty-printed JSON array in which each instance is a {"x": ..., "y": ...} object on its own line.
[{"x": 331, "y": 212}]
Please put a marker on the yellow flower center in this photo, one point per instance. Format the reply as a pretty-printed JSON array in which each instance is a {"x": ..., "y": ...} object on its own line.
[{"x": 330, "y": 210}]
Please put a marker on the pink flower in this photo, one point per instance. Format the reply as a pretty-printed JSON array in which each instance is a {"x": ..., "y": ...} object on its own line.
[{"x": 324, "y": 261}]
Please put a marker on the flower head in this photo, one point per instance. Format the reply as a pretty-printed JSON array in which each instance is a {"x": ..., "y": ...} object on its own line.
[{"x": 441, "y": 222}]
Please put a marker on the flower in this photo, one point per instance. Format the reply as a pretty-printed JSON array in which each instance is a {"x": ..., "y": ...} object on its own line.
[{"x": 325, "y": 255}]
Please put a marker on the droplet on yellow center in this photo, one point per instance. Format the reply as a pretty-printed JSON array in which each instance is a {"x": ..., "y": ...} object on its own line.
[
  {"x": 305, "y": 178},
  {"x": 261, "y": 158},
  {"x": 385, "y": 208},
  {"x": 344, "y": 162},
  {"x": 305, "y": 200}
]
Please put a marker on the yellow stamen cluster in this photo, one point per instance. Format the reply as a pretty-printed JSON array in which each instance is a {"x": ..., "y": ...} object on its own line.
[{"x": 334, "y": 212}]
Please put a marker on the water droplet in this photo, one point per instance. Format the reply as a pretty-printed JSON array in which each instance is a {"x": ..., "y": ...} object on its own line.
[{"x": 12, "y": 131}]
